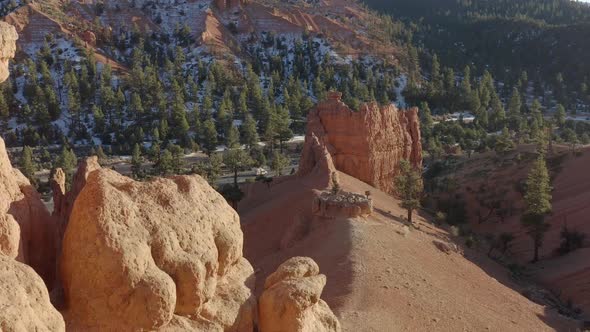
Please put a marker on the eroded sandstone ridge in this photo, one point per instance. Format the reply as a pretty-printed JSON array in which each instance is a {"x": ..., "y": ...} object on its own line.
[
  {"x": 135, "y": 255},
  {"x": 8, "y": 38},
  {"x": 25, "y": 235},
  {"x": 26, "y": 229},
  {"x": 291, "y": 299},
  {"x": 367, "y": 144}
]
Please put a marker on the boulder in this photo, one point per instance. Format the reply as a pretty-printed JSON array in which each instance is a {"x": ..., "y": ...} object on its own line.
[
  {"x": 291, "y": 300},
  {"x": 367, "y": 144},
  {"x": 24, "y": 300},
  {"x": 164, "y": 254}
]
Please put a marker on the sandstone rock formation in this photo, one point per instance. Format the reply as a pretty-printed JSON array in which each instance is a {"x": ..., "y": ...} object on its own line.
[
  {"x": 165, "y": 254},
  {"x": 367, "y": 144},
  {"x": 26, "y": 228},
  {"x": 63, "y": 201},
  {"x": 25, "y": 234},
  {"x": 291, "y": 299},
  {"x": 8, "y": 37},
  {"x": 24, "y": 300}
]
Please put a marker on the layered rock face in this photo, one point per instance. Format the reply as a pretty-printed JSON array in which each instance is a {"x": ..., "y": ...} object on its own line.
[
  {"x": 164, "y": 254},
  {"x": 291, "y": 299},
  {"x": 367, "y": 144}
]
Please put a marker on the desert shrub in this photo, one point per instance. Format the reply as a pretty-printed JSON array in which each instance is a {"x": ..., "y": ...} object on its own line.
[
  {"x": 571, "y": 240},
  {"x": 471, "y": 241},
  {"x": 454, "y": 230},
  {"x": 517, "y": 271},
  {"x": 454, "y": 208},
  {"x": 440, "y": 217}
]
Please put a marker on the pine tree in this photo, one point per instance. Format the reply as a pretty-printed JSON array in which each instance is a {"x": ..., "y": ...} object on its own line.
[
  {"x": 514, "y": 107},
  {"x": 435, "y": 77},
  {"x": 67, "y": 161},
  {"x": 279, "y": 162},
  {"x": 209, "y": 137},
  {"x": 233, "y": 138},
  {"x": 538, "y": 203},
  {"x": 4, "y": 111},
  {"x": 409, "y": 186},
  {"x": 282, "y": 125},
  {"x": 498, "y": 117},
  {"x": 560, "y": 115},
  {"x": 165, "y": 164},
  {"x": 249, "y": 133},
  {"x": 237, "y": 160},
  {"x": 102, "y": 157},
  {"x": 426, "y": 122},
  {"x": 28, "y": 166},
  {"x": 136, "y": 107},
  {"x": 504, "y": 142},
  {"x": 570, "y": 136},
  {"x": 136, "y": 161}
]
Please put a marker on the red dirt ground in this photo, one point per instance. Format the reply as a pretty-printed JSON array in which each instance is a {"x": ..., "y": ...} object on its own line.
[{"x": 382, "y": 280}]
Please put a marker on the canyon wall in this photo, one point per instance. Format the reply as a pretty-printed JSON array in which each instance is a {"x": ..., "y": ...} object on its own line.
[{"x": 367, "y": 144}]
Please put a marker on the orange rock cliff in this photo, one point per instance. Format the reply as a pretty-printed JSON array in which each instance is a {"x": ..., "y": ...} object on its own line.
[{"x": 367, "y": 144}]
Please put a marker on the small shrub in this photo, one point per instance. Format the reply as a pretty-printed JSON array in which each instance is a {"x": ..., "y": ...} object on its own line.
[
  {"x": 471, "y": 241},
  {"x": 440, "y": 217},
  {"x": 571, "y": 240},
  {"x": 455, "y": 230}
]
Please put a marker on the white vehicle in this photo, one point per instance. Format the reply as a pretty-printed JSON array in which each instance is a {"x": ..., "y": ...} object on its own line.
[{"x": 260, "y": 171}]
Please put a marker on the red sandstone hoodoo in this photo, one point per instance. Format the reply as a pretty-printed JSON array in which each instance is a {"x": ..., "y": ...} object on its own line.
[{"x": 367, "y": 144}]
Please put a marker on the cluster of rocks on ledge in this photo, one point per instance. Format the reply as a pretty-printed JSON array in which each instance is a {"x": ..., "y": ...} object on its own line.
[{"x": 342, "y": 205}]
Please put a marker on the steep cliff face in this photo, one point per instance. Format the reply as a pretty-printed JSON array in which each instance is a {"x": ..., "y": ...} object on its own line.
[{"x": 367, "y": 144}]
